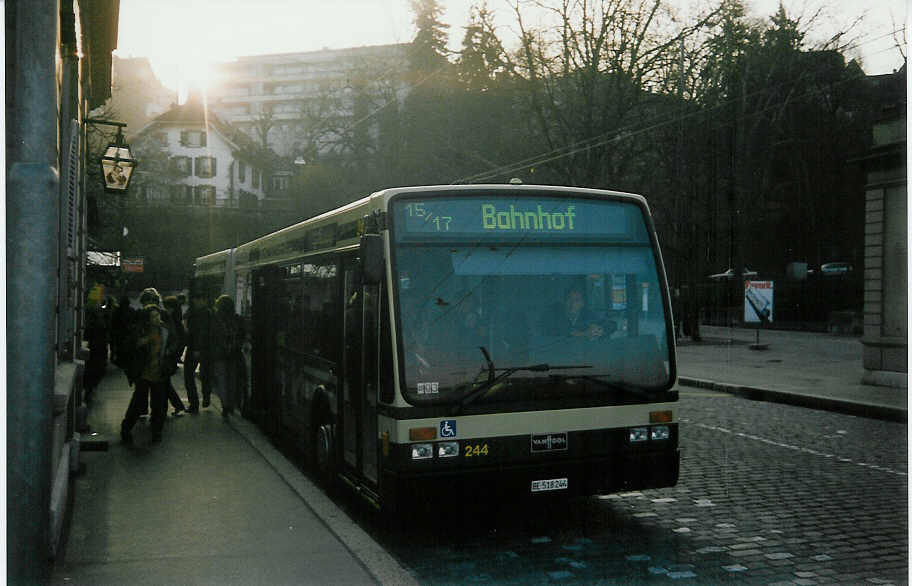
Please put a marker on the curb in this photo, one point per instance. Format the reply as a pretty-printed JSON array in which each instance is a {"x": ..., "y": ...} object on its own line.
[
  {"x": 873, "y": 411},
  {"x": 382, "y": 566}
]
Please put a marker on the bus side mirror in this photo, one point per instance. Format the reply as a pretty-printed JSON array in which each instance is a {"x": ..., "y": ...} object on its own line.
[{"x": 372, "y": 265}]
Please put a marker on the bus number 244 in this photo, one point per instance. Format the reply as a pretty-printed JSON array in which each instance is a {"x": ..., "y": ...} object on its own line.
[{"x": 476, "y": 450}]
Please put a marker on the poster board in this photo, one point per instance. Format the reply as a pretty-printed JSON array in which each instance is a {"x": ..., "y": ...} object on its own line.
[{"x": 758, "y": 301}]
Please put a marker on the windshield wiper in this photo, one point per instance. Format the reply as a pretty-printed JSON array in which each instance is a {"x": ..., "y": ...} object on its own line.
[{"x": 493, "y": 378}]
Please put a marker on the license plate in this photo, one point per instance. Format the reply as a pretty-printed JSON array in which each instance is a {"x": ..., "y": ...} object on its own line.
[{"x": 552, "y": 484}]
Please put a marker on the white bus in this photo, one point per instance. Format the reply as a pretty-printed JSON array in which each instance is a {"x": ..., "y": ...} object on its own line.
[{"x": 512, "y": 337}]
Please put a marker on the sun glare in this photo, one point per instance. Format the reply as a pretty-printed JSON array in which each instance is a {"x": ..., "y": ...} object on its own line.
[{"x": 184, "y": 74}]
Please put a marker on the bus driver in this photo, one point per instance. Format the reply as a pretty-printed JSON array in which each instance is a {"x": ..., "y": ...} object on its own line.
[{"x": 574, "y": 319}]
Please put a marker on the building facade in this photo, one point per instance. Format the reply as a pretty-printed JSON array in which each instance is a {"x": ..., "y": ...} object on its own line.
[
  {"x": 192, "y": 158},
  {"x": 58, "y": 67},
  {"x": 886, "y": 336},
  {"x": 299, "y": 104}
]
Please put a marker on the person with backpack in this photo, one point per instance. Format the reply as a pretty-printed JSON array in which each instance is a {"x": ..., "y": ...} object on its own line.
[{"x": 157, "y": 347}]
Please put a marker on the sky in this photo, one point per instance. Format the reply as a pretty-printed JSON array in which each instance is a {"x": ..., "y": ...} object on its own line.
[{"x": 181, "y": 37}]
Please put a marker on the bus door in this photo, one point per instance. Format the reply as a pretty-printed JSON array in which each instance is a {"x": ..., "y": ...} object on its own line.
[
  {"x": 266, "y": 283},
  {"x": 359, "y": 387}
]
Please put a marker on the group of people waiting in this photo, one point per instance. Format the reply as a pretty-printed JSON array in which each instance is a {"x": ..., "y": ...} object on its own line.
[{"x": 150, "y": 342}]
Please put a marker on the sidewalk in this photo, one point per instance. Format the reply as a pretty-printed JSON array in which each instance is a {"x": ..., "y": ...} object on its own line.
[
  {"x": 213, "y": 503},
  {"x": 816, "y": 370}
]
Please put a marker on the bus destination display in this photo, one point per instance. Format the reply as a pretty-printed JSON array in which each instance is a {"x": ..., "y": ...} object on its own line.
[{"x": 499, "y": 217}]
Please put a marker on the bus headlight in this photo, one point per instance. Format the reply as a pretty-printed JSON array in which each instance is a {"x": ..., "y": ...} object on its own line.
[
  {"x": 639, "y": 434},
  {"x": 422, "y": 451},
  {"x": 659, "y": 432},
  {"x": 447, "y": 449}
]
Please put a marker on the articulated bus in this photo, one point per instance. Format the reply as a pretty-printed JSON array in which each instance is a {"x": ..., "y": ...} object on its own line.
[{"x": 417, "y": 340}]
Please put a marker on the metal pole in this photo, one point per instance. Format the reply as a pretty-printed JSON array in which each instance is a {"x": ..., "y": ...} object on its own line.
[{"x": 31, "y": 256}]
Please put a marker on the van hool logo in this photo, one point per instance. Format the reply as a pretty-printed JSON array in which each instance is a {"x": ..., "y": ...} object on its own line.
[{"x": 549, "y": 442}]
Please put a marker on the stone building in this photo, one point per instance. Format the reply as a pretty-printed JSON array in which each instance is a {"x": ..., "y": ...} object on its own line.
[{"x": 886, "y": 337}]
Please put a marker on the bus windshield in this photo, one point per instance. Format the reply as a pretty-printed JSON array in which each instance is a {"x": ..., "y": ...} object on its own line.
[{"x": 516, "y": 299}]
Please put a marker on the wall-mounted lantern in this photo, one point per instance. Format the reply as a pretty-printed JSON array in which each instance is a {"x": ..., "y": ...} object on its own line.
[{"x": 117, "y": 162}]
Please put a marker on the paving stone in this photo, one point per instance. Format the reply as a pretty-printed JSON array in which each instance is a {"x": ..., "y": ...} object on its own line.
[
  {"x": 743, "y": 553},
  {"x": 779, "y": 555},
  {"x": 679, "y": 575},
  {"x": 754, "y": 538}
]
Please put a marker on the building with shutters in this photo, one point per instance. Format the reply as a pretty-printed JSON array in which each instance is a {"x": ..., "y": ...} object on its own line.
[
  {"x": 58, "y": 67},
  {"x": 190, "y": 157}
]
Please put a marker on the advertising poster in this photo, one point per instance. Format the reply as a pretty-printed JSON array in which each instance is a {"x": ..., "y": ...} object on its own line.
[
  {"x": 132, "y": 265},
  {"x": 758, "y": 301}
]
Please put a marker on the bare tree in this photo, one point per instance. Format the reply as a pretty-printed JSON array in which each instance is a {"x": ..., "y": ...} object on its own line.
[{"x": 589, "y": 79}]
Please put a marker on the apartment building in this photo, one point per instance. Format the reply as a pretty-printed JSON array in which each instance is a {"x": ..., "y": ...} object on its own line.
[{"x": 301, "y": 103}]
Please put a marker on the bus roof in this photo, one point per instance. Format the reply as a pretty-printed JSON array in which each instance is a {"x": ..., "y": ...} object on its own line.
[{"x": 343, "y": 226}]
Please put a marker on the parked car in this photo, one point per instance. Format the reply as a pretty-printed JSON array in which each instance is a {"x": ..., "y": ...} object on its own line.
[
  {"x": 730, "y": 274},
  {"x": 836, "y": 268}
]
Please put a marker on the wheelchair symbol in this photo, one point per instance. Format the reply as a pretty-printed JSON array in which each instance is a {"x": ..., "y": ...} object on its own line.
[{"x": 448, "y": 428}]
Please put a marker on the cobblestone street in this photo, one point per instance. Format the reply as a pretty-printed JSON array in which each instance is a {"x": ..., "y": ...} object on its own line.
[{"x": 769, "y": 494}]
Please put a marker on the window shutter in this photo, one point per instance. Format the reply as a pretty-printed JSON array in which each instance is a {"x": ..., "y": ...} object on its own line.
[
  {"x": 183, "y": 137},
  {"x": 212, "y": 169},
  {"x": 196, "y": 167},
  {"x": 203, "y": 138},
  {"x": 72, "y": 190},
  {"x": 68, "y": 298}
]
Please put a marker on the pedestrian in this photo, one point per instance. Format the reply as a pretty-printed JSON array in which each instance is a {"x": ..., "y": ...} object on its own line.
[
  {"x": 227, "y": 358},
  {"x": 172, "y": 314},
  {"x": 151, "y": 296},
  {"x": 182, "y": 305},
  {"x": 157, "y": 346},
  {"x": 121, "y": 322},
  {"x": 96, "y": 335},
  {"x": 199, "y": 333}
]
